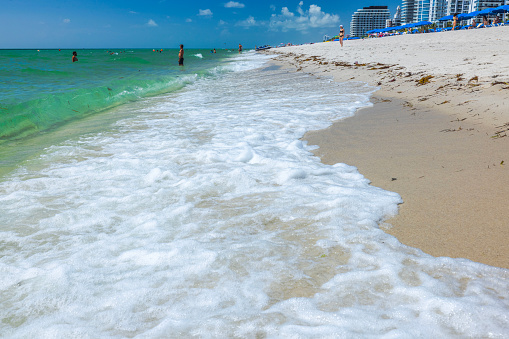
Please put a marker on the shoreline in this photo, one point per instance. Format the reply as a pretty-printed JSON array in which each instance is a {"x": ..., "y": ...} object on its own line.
[{"x": 441, "y": 144}]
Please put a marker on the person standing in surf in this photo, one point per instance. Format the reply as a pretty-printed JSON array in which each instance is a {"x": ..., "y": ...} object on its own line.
[
  {"x": 74, "y": 56},
  {"x": 181, "y": 55},
  {"x": 240, "y": 48}
]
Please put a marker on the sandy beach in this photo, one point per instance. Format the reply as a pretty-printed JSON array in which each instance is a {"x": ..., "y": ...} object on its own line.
[{"x": 436, "y": 134}]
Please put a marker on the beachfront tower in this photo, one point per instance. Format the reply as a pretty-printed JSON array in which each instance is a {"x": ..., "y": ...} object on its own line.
[
  {"x": 368, "y": 18},
  {"x": 422, "y": 10},
  {"x": 407, "y": 11},
  {"x": 479, "y": 5},
  {"x": 458, "y": 6},
  {"x": 397, "y": 17},
  {"x": 437, "y": 10}
]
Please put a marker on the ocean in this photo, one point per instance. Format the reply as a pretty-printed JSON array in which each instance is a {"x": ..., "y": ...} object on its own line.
[{"x": 140, "y": 199}]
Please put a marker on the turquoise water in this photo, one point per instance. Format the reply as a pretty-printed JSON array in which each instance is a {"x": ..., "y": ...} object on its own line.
[
  {"x": 44, "y": 89},
  {"x": 200, "y": 212}
]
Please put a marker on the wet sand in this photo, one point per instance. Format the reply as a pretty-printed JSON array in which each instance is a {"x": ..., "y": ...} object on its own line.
[{"x": 437, "y": 138}]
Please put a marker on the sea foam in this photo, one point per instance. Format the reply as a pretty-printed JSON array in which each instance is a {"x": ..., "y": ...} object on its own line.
[{"x": 206, "y": 215}]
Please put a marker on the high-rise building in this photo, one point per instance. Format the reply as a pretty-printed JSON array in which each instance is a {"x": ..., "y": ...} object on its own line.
[
  {"x": 479, "y": 5},
  {"x": 422, "y": 10},
  {"x": 458, "y": 7},
  {"x": 437, "y": 10},
  {"x": 368, "y": 18},
  {"x": 396, "y": 20},
  {"x": 408, "y": 11},
  {"x": 397, "y": 17}
]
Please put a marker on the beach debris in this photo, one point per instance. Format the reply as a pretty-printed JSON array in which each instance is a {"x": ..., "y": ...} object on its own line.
[
  {"x": 475, "y": 78},
  {"x": 394, "y": 179},
  {"x": 459, "y": 77},
  {"x": 445, "y": 102},
  {"x": 500, "y": 83},
  {"x": 502, "y": 163},
  {"x": 424, "y": 80},
  {"x": 344, "y": 64},
  {"x": 458, "y": 119},
  {"x": 451, "y": 130}
]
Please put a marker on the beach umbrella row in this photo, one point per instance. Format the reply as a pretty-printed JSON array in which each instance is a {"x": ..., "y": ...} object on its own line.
[
  {"x": 487, "y": 11},
  {"x": 397, "y": 28}
]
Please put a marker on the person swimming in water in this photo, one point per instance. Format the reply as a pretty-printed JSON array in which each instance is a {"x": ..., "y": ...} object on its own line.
[{"x": 74, "y": 56}]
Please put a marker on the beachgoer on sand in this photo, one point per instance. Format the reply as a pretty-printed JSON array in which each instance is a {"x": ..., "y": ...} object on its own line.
[
  {"x": 74, "y": 56},
  {"x": 454, "y": 21},
  {"x": 181, "y": 55},
  {"x": 341, "y": 34}
]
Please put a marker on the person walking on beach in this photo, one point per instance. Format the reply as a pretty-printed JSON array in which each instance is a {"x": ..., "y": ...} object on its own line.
[
  {"x": 74, "y": 56},
  {"x": 341, "y": 34},
  {"x": 454, "y": 21},
  {"x": 181, "y": 55},
  {"x": 240, "y": 48}
]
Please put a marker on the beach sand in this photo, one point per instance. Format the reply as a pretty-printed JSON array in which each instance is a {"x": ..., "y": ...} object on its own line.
[{"x": 436, "y": 134}]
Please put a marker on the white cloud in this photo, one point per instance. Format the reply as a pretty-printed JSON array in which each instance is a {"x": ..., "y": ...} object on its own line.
[
  {"x": 273, "y": 8},
  {"x": 205, "y": 12},
  {"x": 189, "y": 20},
  {"x": 314, "y": 17},
  {"x": 151, "y": 23},
  {"x": 66, "y": 21},
  {"x": 286, "y": 12},
  {"x": 234, "y": 4},
  {"x": 249, "y": 22},
  {"x": 133, "y": 12},
  {"x": 222, "y": 23}
]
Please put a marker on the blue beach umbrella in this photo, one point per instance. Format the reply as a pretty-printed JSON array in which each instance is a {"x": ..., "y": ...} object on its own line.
[
  {"x": 501, "y": 9},
  {"x": 466, "y": 16},
  {"x": 486, "y": 11},
  {"x": 446, "y": 18},
  {"x": 474, "y": 13}
]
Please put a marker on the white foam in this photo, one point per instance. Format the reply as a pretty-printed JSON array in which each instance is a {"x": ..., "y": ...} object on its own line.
[{"x": 207, "y": 216}]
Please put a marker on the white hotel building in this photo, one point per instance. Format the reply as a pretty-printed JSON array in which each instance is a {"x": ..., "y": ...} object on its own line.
[
  {"x": 368, "y": 18},
  {"x": 432, "y": 10},
  {"x": 375, "y": 17}
]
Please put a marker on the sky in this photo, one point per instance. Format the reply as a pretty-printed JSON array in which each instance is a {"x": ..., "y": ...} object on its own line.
[{"x": 168, "y": 23}]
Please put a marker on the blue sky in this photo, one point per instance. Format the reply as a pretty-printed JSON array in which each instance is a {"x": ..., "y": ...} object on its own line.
[{"x": 167, "y": 23}]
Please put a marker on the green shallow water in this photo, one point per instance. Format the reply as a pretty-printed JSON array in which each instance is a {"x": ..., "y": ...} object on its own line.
[{"x": 41, "y": 90}]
